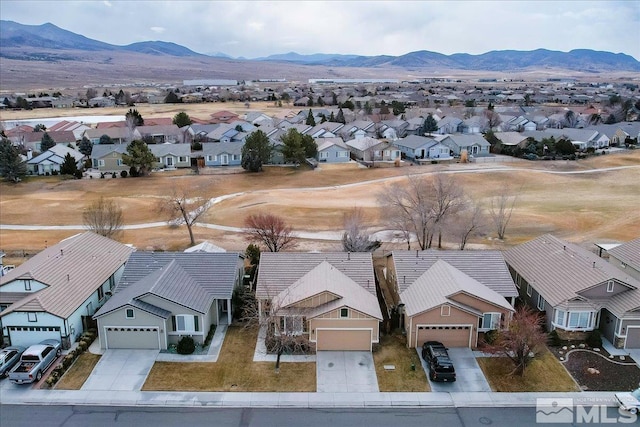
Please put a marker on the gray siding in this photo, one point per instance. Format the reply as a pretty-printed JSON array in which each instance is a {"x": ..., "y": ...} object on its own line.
[{"x": 141, "y": 318}]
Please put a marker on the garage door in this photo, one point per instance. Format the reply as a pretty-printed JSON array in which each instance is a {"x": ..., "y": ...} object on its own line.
[
  {"x": 450, "y": 336},
  {"x": 343, "y": 339},
  {"x": 28, "y": 335},
  {"x": 633, "y": 338},
  {"x": 136, "y": 338}
]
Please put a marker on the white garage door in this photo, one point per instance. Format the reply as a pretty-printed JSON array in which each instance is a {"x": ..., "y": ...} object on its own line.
[
  {"x": 449, "y": 335},
  {"x": 29, "y": 335},
  {"x": 137, "y": 338}
]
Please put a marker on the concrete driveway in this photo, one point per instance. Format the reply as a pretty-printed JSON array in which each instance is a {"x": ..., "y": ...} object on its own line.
[
  {"x": 345, "y": 371},
  {"x": 469, "y": 376},
  {"x": 121, "y": 370}
]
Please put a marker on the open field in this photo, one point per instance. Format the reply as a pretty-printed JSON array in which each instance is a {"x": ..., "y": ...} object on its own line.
[{"x": 579, "y": 207}]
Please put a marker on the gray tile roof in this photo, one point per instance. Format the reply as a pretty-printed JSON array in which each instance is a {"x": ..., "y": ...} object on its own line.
[
  {"x": 629, "y": 253},
  {"x": 161, "y": 150},
  {"x": 72, "y": 270},
  {"x": 101, "y": 150},
  {"x": 279, "y": 270},
  {"x": 487, "y": 267},
  {"x": 216, "y": 148},
  {"x": 415, "y": 141},
  {"x": 558, "y": 270}
]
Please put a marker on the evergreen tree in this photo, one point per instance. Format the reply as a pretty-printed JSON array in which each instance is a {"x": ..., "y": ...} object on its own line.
[
  {"x": 256, "y": 151},
  {"x": 320, "y": 101},
  {"x": 310, "y": 120},
  {"x": 137, "y": 117},
  {"x": 105, "y": 139},
  {"x": 298, "y": 147},
  {"x": 172, "y": 98},
  {"x": 85, "y": 146},
  {"x": 12, "y": 168},
  {"x": 340, "y": 117},
  {"x": 430, "y": 124},
  {"x": 332, "y": 118},
  {"x": 46, "y": 142},
  {"x": 182, "y": 119},
  {"x": 69, "y": 165},
  {"x": 139, "y": 157},
  {"x": 324, "y": 118},
  {"x": 367, "y": 108}
]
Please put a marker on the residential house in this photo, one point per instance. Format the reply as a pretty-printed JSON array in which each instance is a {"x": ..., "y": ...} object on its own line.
[
  {"x": 205, "y": 246},
  {"x": 472, "y": 125},
  {"x": 33, "y": 140},
  {"x": 77, "y": 128},
  {"x": 160, "y": 134},
  {"x": 164, "y": 296},
  {"x": 54, "y": 294},
  {"x": 370, "y": 149},
  {"x": 332, "y": 150},
  {"x": 357, "y": 129},
  {"x": 627, "y": 257},
  {"x": 222, "y": 153},
  {"x": 171, "y": 156},
  {"x": 580, "y": 138},
  {"x": 576, "y": 290},
  {"x": 512, "y": 139},
  {"x": 421, "y": 148},
  {"x": 118, "y": 135},
  {"x": 450, "y": 296},
  {"x": 108, "y": 157},
  {"x": 223, "y": 117},
  {"x": 474, "y": 145},
  {"x": 449, "y": 124},
  {"x": 51, "y": 160},
  {"x": 329, "y": 297},
  {"x": 102, "y": 101}
]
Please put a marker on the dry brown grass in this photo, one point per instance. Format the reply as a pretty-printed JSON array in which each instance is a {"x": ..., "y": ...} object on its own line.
[
  {"x": 393, "y": 351},
  {"x": 234, "y": 371},
  {"x": 78, "y": 373},
  {"x": 544, "y": 374}
]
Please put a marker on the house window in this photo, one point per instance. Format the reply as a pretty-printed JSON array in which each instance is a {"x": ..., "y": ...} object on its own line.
[
  {"x": 445, "y": 310},
  {"x": 490, "y": 321},
  {"x": 130, "y": 314},
  {"x": 100, "y": 293},
  {"x": 323, "y": 155},
  {"x": 343, "y": 154},
  {"x": 209, "y": 158},
  {"x": 32, "y": 317},
  {"x": 344, "y": 312},
  {"x": 119, "y": 162},
  {"x": 182, "y": 159},
  {"x": 95, "y": 163},
  {"x": 529, "y": 289},
  {"x": 540, "y": 303},
  {"x": 101, "y": 163},
  {"x": 559, "y": 320},
  {"x": 610, "y": 285},
  {"x": 186, "y": 323},
  {"x": 579, "y": 319},
  {"x": 27, "y": 285},
  {"x": 235, "y": 157}
]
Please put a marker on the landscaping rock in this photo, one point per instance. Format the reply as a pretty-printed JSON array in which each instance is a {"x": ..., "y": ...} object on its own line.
[
  {"x": 596, "y": 349},
  {"x": 582, "y": 346},
  {"x": 593, "y": 371},
  {"x": 564, "y": 348}
]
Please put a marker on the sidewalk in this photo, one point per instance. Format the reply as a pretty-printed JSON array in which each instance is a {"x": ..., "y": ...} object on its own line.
[{"x": 297, "y": 400}]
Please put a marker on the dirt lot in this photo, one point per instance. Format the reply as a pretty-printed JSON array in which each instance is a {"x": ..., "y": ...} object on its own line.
[{"x": 579, "y": 207}]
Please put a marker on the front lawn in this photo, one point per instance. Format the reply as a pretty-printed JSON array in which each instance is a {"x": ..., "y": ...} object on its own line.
[
  {"x": 78, "y": 373},
  {"x": 235, "y": 370},
  {"x": 545, "y": 373},
  {"x": 393, "y": 351}
]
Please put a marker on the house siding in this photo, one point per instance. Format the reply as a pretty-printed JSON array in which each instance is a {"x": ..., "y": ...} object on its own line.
[
  {"x": 624, "y": 267},
  {"x": 351, "y": 323},
  {"x": 608, "y": 325},
  {"x": 333, "y": 155},
  {"x": 20, "y": 319},
  {"x": 18, "y": 285},
  {"x": 434, "y": 317},
  {"x": 141, "y": 318},
  {"x": 176, "y": 309}
]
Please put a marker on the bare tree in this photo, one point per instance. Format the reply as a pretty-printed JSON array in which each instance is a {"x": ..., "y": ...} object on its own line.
[
  {"x": 501, "y": 210},
  {"x": 271, "y": 231},
  {"x": 355, "y": 237},
  {"x": 447, "y": 199},
  {"x": 522, "y": 341},
  {"x": 103, "y": 217},
  {"x": 469, "y": 222},
  {"x": 492, "y": 119},
  {"x": 182, "y": 206}
]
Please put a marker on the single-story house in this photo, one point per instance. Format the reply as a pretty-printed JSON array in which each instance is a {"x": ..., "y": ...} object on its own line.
[
  {"x": 118, "y": 135},
  {"x": 222, "y": 153},
  {"x": 171, "y": 156},
  {"x": 164, "y": 296},
  {"x": 108, "y": 157},
  {"x": 370, "y": 149},
  {"x": 52, "y": 159},
  {"x": 449, "y": 124},
  {"x": 576, "y": 290},
  {"x": 55, "y": 293},
  {"x": 466, "y": 294},
  {"x": 512, "y": 139},
  {"x": 332, "y": 150},
  {"x": 475, "y": 144},
  {"x": 330, "y": 297},
  {"x": 420, "y": 147},
  {"x": 160, "y": 134},
  {"x": 33, "y": 140}
]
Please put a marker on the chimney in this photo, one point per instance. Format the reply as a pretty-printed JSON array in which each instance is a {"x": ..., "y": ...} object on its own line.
[{"x": 29, "y": 154}]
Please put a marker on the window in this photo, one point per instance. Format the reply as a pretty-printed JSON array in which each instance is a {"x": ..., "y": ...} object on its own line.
[
  {"x": 540, "y": 303},
  {"x": 579, "y": 319},
  {"x": 100, "y": 293},
  {"x": 182, "y": 159},
  {"x": 323, "y": 155},
  {"x": 120, "y": 162},
  {"x": 344, "y": 312},
  {"x": 95, "y": 163},
  {"x": 343, "y": 154},
  {"x": 209, "y": 158},
  {"x": 529, "y": 289},
  {"x": 490, "y": 321},
  {"x": 186, "y": 323},
  {"x": 27, "y": 285},
  {"x": 610, "y": 285},
  {"x": 100, "y": 163},
  {"x": 32, "y": 317},
  {"x": 130, "y": 314},
  {"x": 445, "y": 310},
  {"x": 560, "y": 315}
]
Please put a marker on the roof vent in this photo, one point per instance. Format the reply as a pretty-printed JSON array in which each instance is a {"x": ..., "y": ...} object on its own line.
[
  {"x": 594, "y": 264},
  {"x": 61, "y": 252}
]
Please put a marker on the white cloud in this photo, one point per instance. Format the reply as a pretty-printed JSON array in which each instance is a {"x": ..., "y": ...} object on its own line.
[
  {"x": 107, "y": 3},
  {"x": 158, "y": 30}
]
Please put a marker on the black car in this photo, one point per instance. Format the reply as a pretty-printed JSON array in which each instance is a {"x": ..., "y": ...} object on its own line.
[{"x": 440, "y": 366}]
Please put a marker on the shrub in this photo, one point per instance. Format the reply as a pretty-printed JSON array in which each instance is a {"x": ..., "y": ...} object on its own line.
[
  {"x": 47, "y": 174},
  {"x": 212, "y": 330},
  {"x": 82, "y": 345},
  {"x": 54, "y": 173},
  {"x": 186, "y": 345},
  {"x": 123, "y": 174},
  {"x": 113, "y": 175},
  {"x": 68, "y": 360},
  {"x": 78, "y": 174},
  {"x": 102, "y": 175},
  {"x": 594, "y": 339},
  {"x": 490, "y": 336},
  {"x": 554, "y": 339}
]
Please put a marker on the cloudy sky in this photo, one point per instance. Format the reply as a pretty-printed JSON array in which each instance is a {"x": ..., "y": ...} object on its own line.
[{"x": 254, "y": 29}]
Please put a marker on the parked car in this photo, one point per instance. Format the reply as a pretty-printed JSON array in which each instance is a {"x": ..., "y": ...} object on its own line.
[
  {"x": 629, "y": 401},
  {"x": 440, "y": 365},
  {"x": 35, "y": 361},
  {"x": 8, "y": 358}
]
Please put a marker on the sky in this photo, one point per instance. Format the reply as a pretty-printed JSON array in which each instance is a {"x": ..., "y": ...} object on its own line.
[{"x": 255, "y": 29}]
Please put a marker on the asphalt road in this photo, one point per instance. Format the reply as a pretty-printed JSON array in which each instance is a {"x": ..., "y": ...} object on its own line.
[{"x": 83, "y": 416}]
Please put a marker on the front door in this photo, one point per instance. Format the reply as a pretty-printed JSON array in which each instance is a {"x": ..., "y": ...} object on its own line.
[{"x": 224, "y": 159}]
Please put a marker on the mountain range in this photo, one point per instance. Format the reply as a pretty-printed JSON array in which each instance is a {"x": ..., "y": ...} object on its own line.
[{"x": 41, "y": 56}]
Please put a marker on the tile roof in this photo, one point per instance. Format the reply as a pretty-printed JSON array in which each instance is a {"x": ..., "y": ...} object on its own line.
[
  {"x": 279, "y": 270},
  {"x": 72, "y": 270},
  {"x": 439, "y": 283},
  {"x": 487, "y": 267},
  {"x": 215, "y": 148},
  {"x": 415, "y": 141}
]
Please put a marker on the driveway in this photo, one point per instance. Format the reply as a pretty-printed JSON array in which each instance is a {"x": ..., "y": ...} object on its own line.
[
  {"x": 469, "y": 376},
  {"x": 121, "y": 370},
  {"x": 345, "y": 371}
]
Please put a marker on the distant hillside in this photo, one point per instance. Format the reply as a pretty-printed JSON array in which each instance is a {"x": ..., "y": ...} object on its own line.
[{"x": 160, "y": 48}]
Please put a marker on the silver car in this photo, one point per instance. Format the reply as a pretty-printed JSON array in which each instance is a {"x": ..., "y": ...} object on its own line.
[
  {"x": 629, "y": 401},
  {"x": 9, "y": 356}
]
